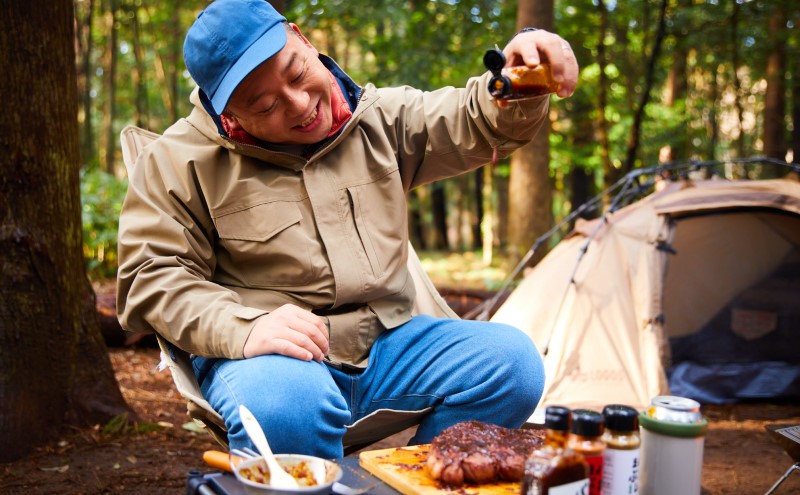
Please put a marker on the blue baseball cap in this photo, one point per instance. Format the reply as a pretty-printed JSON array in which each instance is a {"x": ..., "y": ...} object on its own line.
[{"x": 227, "y": 41}]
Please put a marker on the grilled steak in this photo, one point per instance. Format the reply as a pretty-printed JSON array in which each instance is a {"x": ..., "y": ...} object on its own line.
[{"x": 476, "y": 452}]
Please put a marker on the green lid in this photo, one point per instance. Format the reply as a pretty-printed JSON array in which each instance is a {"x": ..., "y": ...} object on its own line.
[{"x": 671, "y": 428}]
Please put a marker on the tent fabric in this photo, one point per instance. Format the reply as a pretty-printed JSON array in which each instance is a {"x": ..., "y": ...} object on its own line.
[
  {"x": 725, "y": 383},
  {"x": 604, "y": 305}
]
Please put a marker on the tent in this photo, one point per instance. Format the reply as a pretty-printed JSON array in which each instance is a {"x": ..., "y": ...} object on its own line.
[{"x": 693, "y": 290}]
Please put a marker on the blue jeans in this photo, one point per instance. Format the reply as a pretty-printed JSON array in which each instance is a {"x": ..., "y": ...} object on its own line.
[{"x": 461, "y": 369}]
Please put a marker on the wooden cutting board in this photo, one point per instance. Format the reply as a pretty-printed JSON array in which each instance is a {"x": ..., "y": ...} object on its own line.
[{"x": 404, "y": 470}]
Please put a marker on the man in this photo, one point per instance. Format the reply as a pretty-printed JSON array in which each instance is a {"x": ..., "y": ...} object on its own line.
[{"x": 266, "y": 234}]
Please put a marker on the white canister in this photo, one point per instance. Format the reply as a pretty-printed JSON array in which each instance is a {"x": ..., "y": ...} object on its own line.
[{"x": 672, "y": 447}]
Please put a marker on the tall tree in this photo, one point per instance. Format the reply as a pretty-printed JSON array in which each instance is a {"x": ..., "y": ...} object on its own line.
[
  {"x": 84, "y": 42},
  {"x": 139, "y": 73},
  {"x": 737, "y": 84},
  {"x": 677, "y": 86},
  {"x": 530, "y": 192},
  {"x": 439, "y": 215},
  {"x": 609, "y": 172},
  {"x": 174, "y": 58},
  {"x": 796, "y": 110},
  {"x": 55, "y": 368},
  {"x": 110, "y": 110},
  {"x": 775, "y": 98},
  {"x": 634, "y": 137}
]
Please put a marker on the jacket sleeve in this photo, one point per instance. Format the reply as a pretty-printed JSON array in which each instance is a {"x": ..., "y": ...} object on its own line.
[
  {"x": 450, "y": 131},
  {"x": 166, "y": 261}
]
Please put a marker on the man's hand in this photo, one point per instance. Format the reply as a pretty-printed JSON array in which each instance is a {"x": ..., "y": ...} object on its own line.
[
  {"x": 290, "y": 331},
  {"x": 534, "y": 47}
]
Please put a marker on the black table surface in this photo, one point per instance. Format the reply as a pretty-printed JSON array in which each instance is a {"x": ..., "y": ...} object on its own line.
[{"x": 219, "y": 483}]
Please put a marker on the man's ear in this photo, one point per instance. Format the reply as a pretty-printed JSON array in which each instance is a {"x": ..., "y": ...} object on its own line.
[
  {"x": 231, "y": 123},
  {"x": 305, "y": 40}
]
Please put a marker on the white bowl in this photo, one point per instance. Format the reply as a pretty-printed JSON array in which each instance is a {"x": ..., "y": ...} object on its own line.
[{"x": 254, "y": 475}]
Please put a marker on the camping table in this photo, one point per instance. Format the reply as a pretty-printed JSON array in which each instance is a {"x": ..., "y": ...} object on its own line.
[{"x": 218, "y": 483}]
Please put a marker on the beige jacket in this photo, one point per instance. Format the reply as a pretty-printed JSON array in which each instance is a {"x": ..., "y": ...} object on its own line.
[{"x": 215, "y": 233}]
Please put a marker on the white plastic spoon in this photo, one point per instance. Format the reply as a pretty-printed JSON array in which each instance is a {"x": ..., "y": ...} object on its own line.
[{"x": 278, "y": 478}]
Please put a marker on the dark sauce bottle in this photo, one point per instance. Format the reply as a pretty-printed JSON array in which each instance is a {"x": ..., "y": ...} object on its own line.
[{"x": 556, "y": 469}]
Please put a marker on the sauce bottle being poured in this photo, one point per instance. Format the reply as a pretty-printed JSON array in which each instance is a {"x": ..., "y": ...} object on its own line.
[{"x": 516, "y": 83}]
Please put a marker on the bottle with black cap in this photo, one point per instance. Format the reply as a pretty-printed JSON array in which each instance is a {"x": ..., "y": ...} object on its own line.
[
  {"x": 621, "y": 457},
  {"x": 517, "y": 83},
  {"x": 555, "y": 469},
  {"x": 586, "y": 438}
]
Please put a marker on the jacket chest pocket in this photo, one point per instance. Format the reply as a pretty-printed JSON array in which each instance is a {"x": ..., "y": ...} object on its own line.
[
  {"x": 378, "y": 209},
  {"x": 266, "y": 245}
]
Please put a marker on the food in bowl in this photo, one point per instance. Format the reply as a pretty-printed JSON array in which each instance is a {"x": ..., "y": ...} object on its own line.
[
  {"x": 300, "y": 471},
  {"x": 254, "y": 474}
]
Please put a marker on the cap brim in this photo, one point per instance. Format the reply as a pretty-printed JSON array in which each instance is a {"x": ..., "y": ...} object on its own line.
[{"x": 259, "y": 52}]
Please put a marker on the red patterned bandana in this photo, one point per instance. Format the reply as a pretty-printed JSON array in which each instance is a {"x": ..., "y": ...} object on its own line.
[{"x": 340, "y": 108}]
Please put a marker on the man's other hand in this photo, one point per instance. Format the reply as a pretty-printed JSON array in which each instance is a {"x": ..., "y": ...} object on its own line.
[{"x": 290, "y": 331}]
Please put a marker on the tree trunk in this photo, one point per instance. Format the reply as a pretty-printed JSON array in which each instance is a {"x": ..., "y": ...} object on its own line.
[
  {"x": 479, "y": 207},
  {"x": 439, "y": 211},
  {"x": 86, "y": 44},
  {"x": 796, "y": 111},
  {"x": 610, "y": 174},
  {"x": 111, "y": 88},
  {"x": 139, "y": 71},
  {"x": 712, "y": 124},
  {"x": 580, "y": 181},
  {"x": 487, "y": 217},
  {"x": 676, "y": 92},
  {"x": 530, "y": 191},
  {"x": 280, "y": 5},
  {"x": 775, "y": 98},
  {"x": 175, "y": 59},
  {"x": 55, "y": 368},
  {"x": 677, "y": 87},
  {"x": 416, "y": 229},
  {"x": 500, "y": 188},
  {"x": 737, "y": 84},
  {"x": 634, "y": 137}
]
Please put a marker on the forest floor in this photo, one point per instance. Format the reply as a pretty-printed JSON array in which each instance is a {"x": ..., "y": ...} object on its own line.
[{"x": 154, "y": 456}]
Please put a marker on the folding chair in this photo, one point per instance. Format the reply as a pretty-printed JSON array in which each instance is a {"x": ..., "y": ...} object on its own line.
[{"x": 368, "y": 430}]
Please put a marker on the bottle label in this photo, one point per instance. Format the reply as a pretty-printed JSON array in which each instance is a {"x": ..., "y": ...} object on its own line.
[
  {"x": 621, "y": 472},
  {"x": 595, "y": 473},
  {"x": 575, "y": 488}
]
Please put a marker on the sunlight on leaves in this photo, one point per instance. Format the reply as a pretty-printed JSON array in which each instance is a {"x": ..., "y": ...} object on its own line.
[{"x": 464, "y": 270}]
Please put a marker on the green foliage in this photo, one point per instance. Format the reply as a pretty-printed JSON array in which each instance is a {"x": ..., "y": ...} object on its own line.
[
  {"x": 425, "y": 44},
  {"x": 432, "y": 43},
  {"x": 465, "y": 270},
  {"x": 101, "y": 202},
  {"x": 122, "y": 425}
]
